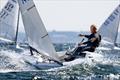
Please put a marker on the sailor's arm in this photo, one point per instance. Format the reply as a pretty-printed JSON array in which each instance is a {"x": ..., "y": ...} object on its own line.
[
  {"x": 87, "y": 36},
  {"x": 83, "y": 43},
  {"x": 91, "y": 40}
]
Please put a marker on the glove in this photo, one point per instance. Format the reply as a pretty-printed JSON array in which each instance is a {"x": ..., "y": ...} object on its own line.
[{"x": 81, "y": 35}]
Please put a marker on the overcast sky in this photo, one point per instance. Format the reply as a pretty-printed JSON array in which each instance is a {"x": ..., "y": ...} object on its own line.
[{"x": 72, "y": 15}]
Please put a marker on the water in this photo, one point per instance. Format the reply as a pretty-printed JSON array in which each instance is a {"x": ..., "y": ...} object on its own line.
[{"x": 12, "y": 67}]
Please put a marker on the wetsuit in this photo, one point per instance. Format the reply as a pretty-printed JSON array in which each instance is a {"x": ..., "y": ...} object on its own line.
[{"x": 89, "y": 45}]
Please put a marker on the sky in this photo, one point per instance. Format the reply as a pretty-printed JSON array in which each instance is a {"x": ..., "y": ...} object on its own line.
[{"x": 72, "y": 15}]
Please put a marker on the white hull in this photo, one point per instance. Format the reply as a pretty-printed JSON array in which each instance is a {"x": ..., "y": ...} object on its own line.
[{"x": 40, "y": 64}]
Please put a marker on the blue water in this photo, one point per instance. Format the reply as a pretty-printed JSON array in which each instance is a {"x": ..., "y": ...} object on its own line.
[{"x": 13, "y": 68}]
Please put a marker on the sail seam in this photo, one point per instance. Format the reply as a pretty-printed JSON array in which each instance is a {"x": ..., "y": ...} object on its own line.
[
  {"x": 31, "y": 7},
  {"x": 44, "y": 36}
]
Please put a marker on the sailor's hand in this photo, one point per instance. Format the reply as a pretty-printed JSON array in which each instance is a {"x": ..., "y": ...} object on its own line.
[
  {"x": 81, "y": 35},
  {"x": 80, "y": 44}
]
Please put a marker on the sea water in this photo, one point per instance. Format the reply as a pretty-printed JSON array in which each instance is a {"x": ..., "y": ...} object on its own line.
[{"x": 12, "y": 67}]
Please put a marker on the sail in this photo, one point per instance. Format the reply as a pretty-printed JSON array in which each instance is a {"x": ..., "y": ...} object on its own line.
[
  {"x": 109, "y": 29},
  {"x": 37, "y": 35},
  {"x": 8, "y": 20}
]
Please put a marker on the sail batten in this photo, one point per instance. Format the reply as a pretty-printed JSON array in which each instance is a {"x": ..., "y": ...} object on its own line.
[
  {"x": 44, "y": 36},
  {"x": 37, "y": 35},
  {"x": 31, "y": 7}
]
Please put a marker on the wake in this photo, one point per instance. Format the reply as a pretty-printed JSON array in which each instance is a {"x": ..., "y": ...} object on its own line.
[{"x": 12, "y": 61}]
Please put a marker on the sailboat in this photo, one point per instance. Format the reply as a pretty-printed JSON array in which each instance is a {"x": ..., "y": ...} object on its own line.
[
  {"x": 39, "y": 40},
  {"x": 9, "y": 23},
  {"x": 37, "y": 35}
]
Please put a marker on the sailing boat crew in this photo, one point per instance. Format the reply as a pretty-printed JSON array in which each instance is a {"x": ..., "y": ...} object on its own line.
[{"x": 93, "y": 41}]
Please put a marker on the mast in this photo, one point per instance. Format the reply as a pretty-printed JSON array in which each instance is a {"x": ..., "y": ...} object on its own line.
[
  {"x": 117, "y": 29},
  {"x": 117, "y": 33},
  {"x": 16, "y": 36}
]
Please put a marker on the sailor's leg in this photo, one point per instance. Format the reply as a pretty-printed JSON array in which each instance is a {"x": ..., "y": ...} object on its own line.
[
  {"x": 70, "y": 58},
  {"x": 77, "y": 50},
  {"x": 75, "y": 54},
  {"x": 71, "y": 52},
  {"x": 89, "y": 49}
]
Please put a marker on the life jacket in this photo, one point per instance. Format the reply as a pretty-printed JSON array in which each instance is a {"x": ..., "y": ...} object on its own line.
[{"x": 98, "y": 40}]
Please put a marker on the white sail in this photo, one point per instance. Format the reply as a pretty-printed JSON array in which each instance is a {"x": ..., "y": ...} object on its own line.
[
  {"x": 8, "y": 20},
  {"x": 37, "y": 35},
  {"x": 109, "y": 29}
]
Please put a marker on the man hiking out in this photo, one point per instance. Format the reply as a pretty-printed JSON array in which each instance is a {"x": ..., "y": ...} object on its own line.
[{"x": 93, "y": 41}]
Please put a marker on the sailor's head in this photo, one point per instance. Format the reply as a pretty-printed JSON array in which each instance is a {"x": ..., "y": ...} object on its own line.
[{"x": 93, "y": 28}]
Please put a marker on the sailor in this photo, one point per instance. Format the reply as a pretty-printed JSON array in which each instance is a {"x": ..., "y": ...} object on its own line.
[{"x": 93, "y": 41}]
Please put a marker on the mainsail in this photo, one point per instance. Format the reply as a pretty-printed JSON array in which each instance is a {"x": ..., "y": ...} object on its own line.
[
  {"x": 8, "y": 20},
  {"x": 37, "y": 35},
  {"x": 109, "y": 29}
]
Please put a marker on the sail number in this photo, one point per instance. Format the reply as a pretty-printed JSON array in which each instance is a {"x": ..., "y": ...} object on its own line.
[
  {"x": 3, "y": 14},
  {"x": 9, "y": 7},
  {"x": 112, "y": 17}
]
